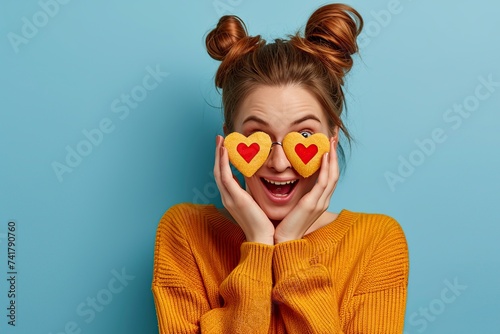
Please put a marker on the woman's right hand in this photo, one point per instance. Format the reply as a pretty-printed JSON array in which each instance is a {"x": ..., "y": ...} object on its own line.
[{"x": 239, "y": 203}]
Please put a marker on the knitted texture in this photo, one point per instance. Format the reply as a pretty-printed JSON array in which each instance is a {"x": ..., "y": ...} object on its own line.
[{"x": 349, "y": 276}]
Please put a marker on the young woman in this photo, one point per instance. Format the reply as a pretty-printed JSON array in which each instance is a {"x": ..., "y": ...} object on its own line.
[{"x": 274, "y": 260}]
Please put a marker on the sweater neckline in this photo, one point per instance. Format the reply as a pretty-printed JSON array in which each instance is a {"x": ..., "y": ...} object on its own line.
[
  {"x": 335, "y": 230},
  {"x": 331, "y": 232}
]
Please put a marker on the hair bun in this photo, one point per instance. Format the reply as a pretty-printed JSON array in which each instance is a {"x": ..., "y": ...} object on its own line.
[
  {"x": 220, "y": 40},
  {"x": 331, "y": 34},
  {"x": 227, "y": 42}
]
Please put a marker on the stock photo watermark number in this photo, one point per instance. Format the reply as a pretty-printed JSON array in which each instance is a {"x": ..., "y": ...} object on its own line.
[{"x": 11, "y": 273}]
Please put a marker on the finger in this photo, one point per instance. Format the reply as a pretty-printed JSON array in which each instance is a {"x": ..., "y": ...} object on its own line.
[
  {"x": 324, "y": 171},
  {"x": 328, "y": 180},
  {"x": 333, "y": 172},
  {"x": 328, "y": 165},
  {"x": 217, "y": 168},
  {"x": 237, "y": 180},
  {"x": 334, "y": 162},
  {"x": 223, "y": 175},
  {"x": 311, "y": 201},
  {"x": 321, "y": 188},
  {"x": 217, "y": 158},
  {"x": 227, "y": 177}
]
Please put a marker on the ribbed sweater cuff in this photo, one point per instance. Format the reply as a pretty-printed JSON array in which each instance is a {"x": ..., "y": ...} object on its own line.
[
  {"x": 291, "y": 257},
  {"x": 256, "y": 260}
]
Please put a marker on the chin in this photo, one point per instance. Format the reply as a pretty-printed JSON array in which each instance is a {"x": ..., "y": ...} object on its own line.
[{"x": 276, "y": 214}]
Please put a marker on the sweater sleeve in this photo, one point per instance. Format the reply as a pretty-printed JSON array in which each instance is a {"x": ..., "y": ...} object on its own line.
[
  {"x": 379, "y": 303},
  {"x": 182, "y": 305},
  {"x": 307, "y": 297},
  {"x": 304, "y": 291}
]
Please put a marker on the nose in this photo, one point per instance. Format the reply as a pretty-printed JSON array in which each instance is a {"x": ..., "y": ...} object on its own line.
[{"x": 277, "y": 159}]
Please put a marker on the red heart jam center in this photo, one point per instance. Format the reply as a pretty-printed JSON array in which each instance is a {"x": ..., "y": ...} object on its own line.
[
  {"x": 306, "y": 153},
  {"x": 248, "y": 152}
]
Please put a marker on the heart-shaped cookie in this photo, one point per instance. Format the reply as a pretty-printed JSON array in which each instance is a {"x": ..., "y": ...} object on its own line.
[
  {"x": 248, "y": 154},
  {"x": 305, "y": 153}
]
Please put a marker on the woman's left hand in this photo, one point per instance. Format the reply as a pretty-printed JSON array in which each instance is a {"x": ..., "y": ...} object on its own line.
[{"x": 310, "y": 207}]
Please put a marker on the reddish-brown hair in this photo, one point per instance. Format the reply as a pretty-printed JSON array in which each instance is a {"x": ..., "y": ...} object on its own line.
[{"x": 317, "y": 61}]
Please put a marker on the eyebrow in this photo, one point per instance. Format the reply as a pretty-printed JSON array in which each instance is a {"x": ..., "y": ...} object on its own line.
[
  {"x": 255, "y": 119},
  {"x": 300, "y": 120},
  {"x": 305, "y": 118}
]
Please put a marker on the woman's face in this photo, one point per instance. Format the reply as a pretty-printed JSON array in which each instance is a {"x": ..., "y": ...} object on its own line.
[{"x": 278, "y": 111}]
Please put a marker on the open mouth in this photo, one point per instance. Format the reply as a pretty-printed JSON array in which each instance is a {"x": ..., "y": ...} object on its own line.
[{"x": 279, "y": 188}]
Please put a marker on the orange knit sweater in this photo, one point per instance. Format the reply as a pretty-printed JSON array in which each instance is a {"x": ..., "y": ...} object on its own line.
[{"x": 349, "y": 276}]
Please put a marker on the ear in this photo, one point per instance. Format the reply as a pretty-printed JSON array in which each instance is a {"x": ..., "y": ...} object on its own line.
[
  {"x": 224, "y": 128},
  {"x": 336, "y": 132},
  {"x": 335, "y": 136}
]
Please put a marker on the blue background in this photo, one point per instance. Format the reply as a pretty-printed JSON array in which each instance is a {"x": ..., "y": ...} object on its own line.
[{"x": 76, "y": 233}]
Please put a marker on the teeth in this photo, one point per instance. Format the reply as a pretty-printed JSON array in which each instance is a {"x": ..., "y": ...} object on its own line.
[{"x": 280, "y": 183}]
